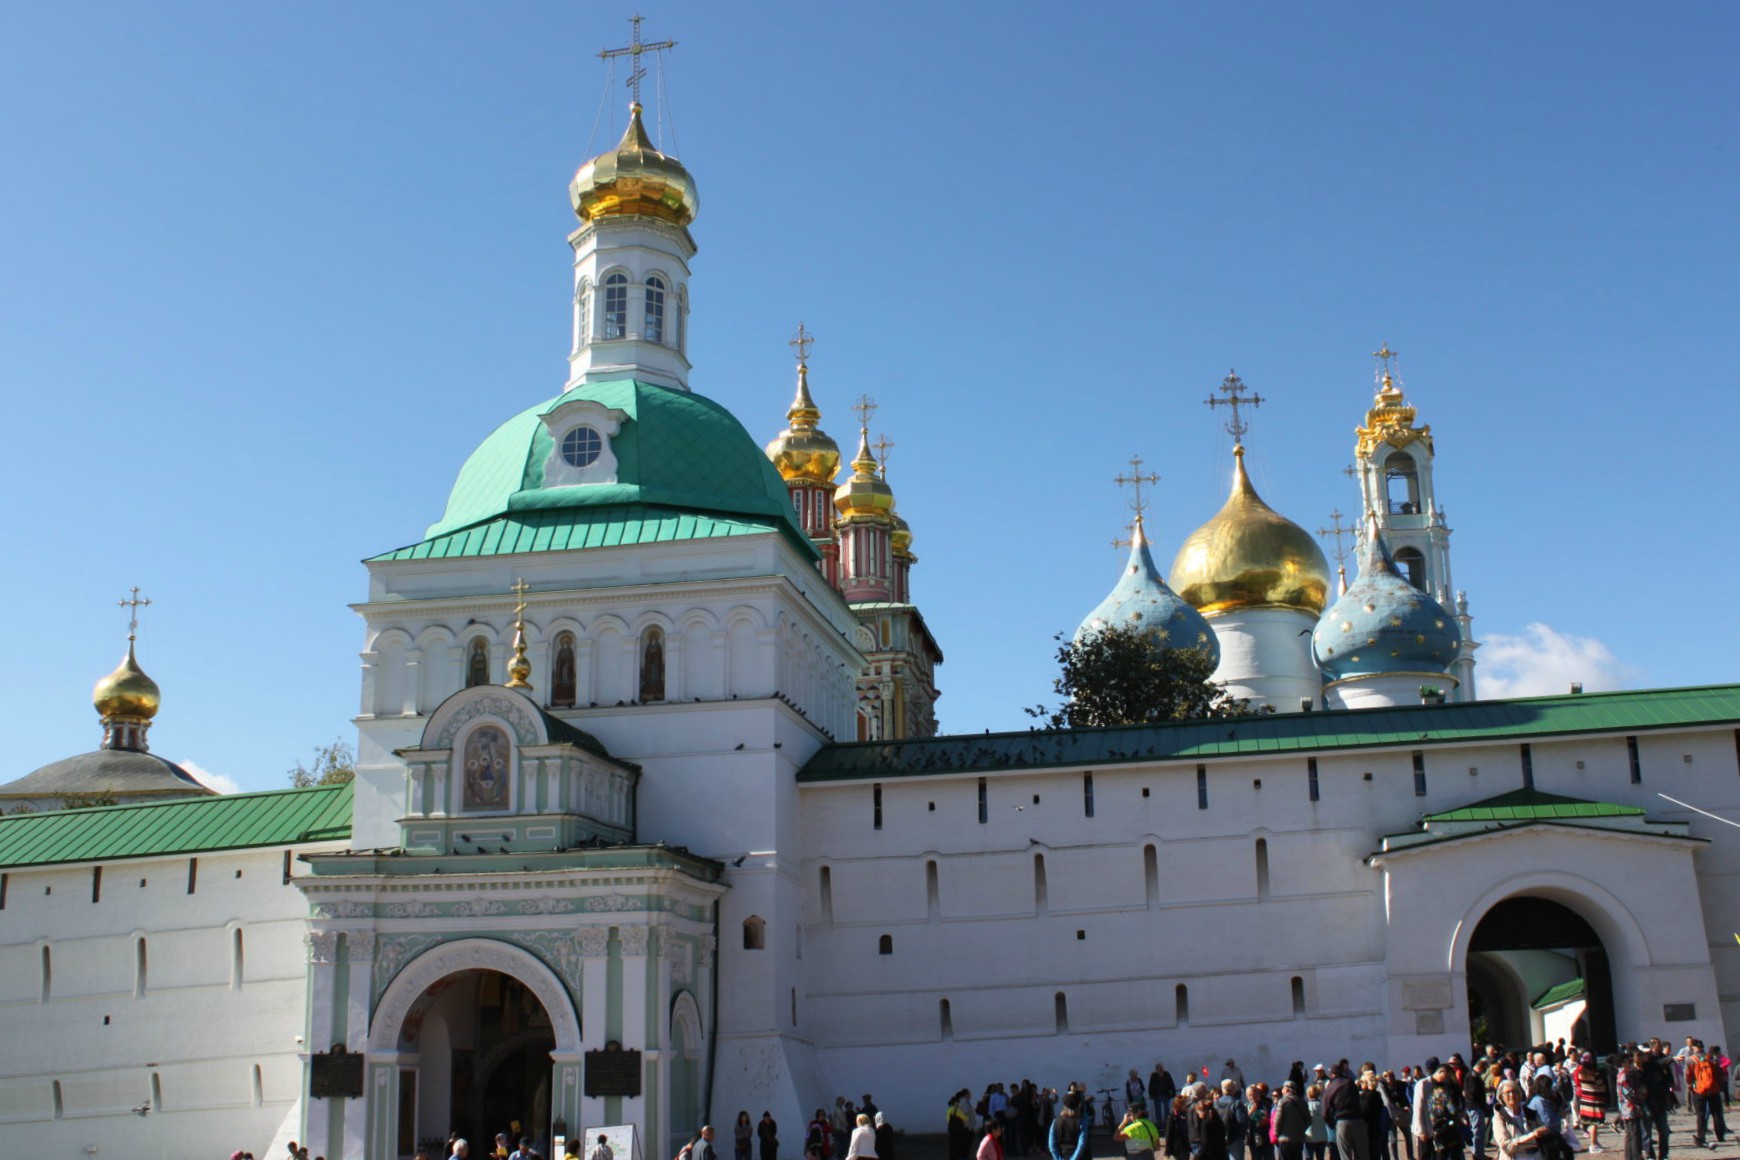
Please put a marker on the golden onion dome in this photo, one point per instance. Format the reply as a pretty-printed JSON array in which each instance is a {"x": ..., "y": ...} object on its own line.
[
  {"x": 127, "y": 692},
  {"x": 866, "y": 493},
  {"x": 634, "y": 179},
  {"x": 900, "y": 539},
  {"x": 802, "y": 451},
  {"x": 1250, "y": 556}
]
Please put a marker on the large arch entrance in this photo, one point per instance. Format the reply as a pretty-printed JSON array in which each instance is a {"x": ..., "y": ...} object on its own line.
[
  {"x": 485, "y": 1037},
  {"x": 1537, "y": 971}
]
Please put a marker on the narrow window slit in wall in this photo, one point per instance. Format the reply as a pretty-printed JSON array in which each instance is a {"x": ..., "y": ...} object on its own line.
[
  {"x": 1060, "y": 1007},
  {"x": 1311, "y": 778},
  {"x": 236, "y": 961},
  {"x": 1041, "y": 895},
  {"x": 156, "y": 1092},
  {"x": 828, "y": 895},
  {"x": 1632, "y": 760},
  {"x": 96, "y": 883},
  {"x": 59, "y": 1102},
  {"x": 947, "y": 1017},
  {"x": 1151, "y": 875},
  {"x": 1202, "y": 787},
  {"x": 192, "y": 875},
  {"x": 885, "y": 945},
  {"x": 1087, "y": 795},
  {"x": 984, "y": 804},
  {"x": 794, "y": 1006},
  {"x": 876, "y": 806},
  {"x": 1181, "y": 1005},
  {"x": 286, "y": 870},
  {"x": 141, "y": 964},
  {"x": 259, "y": 1087},
  {"x": 5, "y": 882},
  {"x": 47, "y": 979},
  {"x": 1298, "y": 997},
  {"x": 1528, "y": 765},
  {"x": 1419, "y": 773},
  {"x": 1262, "y": 869},
  {"x": 932, "y": 896},
  {"x": 754, "y": 933}
]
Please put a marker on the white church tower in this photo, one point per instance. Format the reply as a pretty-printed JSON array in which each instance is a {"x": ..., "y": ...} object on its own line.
[{"x": 1395, "y": 479}]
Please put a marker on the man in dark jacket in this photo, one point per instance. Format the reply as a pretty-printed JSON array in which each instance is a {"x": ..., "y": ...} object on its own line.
[
  {"x": 1161, "y": 1091},
  {"x": 1341, "y": 1112},
  {"x": 1291, "y": 1119}
]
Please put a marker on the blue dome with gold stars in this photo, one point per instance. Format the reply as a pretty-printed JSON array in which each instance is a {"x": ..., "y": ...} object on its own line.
[
  {"x": 1141, "y": 600},
  {"x": 1382, "y": 624}
]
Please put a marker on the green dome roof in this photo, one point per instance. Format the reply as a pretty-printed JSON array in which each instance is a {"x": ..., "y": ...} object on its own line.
[{"x": 675, "y": 450}]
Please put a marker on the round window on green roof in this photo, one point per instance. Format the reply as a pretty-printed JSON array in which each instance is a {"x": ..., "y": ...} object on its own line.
[{"x": 581, "y": 447}]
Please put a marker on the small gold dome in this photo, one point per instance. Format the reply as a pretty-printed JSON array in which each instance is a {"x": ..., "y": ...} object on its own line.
[
  {"x": 900, "y": 539},
  {"x": 127, "y": 692},
  {"x": 634, "y": 179},
  {"x": 802, "y": 451},
  {"x": 1250, "y": 556},
  {"x": 865, "y": 494}
]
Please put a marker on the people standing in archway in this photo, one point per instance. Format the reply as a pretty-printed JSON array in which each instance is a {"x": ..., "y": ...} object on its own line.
[{"x": 1590, "y": 1086}]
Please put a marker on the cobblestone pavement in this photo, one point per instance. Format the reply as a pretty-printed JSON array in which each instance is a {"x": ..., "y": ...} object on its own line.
[{"x": 1681, "y": 1124}]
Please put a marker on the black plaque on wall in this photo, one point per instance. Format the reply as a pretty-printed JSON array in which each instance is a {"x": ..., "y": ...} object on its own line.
[
  {"x": 613, "y": 1071},
  {"x": 336, "y": 1074}
]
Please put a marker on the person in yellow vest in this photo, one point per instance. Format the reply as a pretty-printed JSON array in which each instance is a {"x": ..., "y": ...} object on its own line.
[{"x": 1140, "y": 1135}]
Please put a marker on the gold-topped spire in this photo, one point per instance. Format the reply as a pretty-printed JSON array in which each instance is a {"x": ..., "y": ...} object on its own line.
[
  {"x": 634, "y": 50},
  {"x": 802, "y": 453},
  {"x": 127, "y": 699},
  {"x": 519, "y": 668},
  {"x": 1391, "y": 418},
  {"x": 866, "y": 493}
]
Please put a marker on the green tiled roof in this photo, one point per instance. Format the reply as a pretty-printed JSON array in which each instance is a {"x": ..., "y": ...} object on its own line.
[
  {"x": 1531, "y": 805},
  {"x": 1523, "y": 719},
  {"x": 187, "y": 826},
  {"x": 675, "y": 450},
  {"x": 601, "y": 527},
  {"x": 1572, "y": 990}
]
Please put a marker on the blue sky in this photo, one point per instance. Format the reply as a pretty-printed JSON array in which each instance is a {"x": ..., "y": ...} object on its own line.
[{"x": 268, "y": 272}]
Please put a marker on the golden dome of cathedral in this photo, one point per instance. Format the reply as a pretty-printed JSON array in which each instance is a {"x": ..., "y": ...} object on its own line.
[
  {"x": 866, "y": 493},
  {"x": 1250, "y": 556},
  {"x": 634, "y": 179},
  {"x": 802, "y": 450},
  {"x": 127, "y": 692}
]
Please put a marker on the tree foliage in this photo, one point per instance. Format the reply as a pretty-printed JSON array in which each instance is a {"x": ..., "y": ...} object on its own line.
[
  {"x": 333, "y": 764},
  {"x": 1125, "y": 676}
]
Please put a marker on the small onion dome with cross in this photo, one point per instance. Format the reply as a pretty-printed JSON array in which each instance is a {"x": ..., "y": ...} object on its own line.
[
  {"x": 803, "y": 451},
  {"x": 127, "y": 694},
  {"x": 1250, "y": 556},
  {"x": 1382, "y": 624},
  {"x": 864, "y": 494},
  {"x": 634, "y": 180},
  {"x": 1140, "y": 600}
]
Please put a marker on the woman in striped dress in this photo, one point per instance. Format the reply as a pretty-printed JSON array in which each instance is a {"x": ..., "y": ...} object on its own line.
[{"x": 1591, "y": 1093}]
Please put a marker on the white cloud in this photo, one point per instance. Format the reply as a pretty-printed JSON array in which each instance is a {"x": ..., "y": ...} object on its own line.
[
  {"x": 1543, "y": 661},
  {"x": 214, "y": 781}
]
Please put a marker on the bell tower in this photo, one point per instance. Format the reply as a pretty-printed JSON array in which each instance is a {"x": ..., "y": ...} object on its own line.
[{"x": 1394, "y": 465}]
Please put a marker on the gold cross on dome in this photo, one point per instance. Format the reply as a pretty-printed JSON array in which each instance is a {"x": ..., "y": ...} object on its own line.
[
  {"x": 633, "y": 51},
  {"x": 881, "y": 446},
  {"x": 133, "y": 604},
  {"x": 1234, "y": 389},
  {"x": 1385, "y": 356},
  {"x": 800, "y": 345},
  {"x": 1135, "y": 480},
  {"x": 864, "y": 408},
  {"x": 520, "y": 588}
]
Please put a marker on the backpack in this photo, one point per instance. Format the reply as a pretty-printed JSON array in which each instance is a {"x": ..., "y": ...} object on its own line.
[{"x": 1702, "y": 1076}]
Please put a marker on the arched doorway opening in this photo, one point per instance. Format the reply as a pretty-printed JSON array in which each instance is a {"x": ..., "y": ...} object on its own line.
[
  {"x": 483, "y": 1042},
  {"x": 1537, "y": 971}
]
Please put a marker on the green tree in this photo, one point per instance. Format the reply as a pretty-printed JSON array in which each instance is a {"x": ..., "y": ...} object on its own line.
[
  {"x": 1126, "y": 676},
  {"x": 333, "y": 764},
  {"x": 89, "y": 801}
]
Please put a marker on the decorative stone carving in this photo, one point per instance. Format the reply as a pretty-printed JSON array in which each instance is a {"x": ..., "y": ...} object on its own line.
[
  {"x": 342, "y": 908},
  {"x": 634, "y": 939},
  {"x": 361, "y": 944},
  {"x": 613, "y": 902},
  {"x": 593, "y": 941},
  {"x": 393, "y": 951},
  {"x": 556, "y": 948},
  {"x": 322, "y": 946},
  {"x": 415, "y": 908},
  {"x": 679, "y": 966},
  {"x": 431, "y": 967},
  {"x": 546, "y": 905},
  {"x": 704, "y": 956},
  {"x": 511, "y": 711},
  {"x": 478, "y": 907}
]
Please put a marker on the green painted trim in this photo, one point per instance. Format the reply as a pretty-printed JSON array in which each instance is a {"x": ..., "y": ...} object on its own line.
[
  {"x": 1401, "y": 727},
  {"x": 1531, "y": 804}
]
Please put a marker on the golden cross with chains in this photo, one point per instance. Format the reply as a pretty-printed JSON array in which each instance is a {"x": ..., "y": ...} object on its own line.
[
  {"x": 1338, "y": 530},
  {"x": 633, "y": 51},
  {"x": 882, "y": 444},
  {"x": 133, "y": 604},
  {"x": 1234, "y": 388},
  {"x": 801, "y": 343},
  {"x": 864, "y": 408},
  {"x": 1385, "y": 355}
]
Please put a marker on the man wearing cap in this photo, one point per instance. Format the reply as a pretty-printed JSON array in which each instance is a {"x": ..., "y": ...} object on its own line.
[{"x": 1140, "y": 1135}]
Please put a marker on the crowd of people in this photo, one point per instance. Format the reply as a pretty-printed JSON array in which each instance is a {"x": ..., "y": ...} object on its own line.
[{"x": 1542, "y": 1104}]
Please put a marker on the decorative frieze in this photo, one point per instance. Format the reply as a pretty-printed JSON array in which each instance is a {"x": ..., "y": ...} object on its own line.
[{"x": 322, "y": 946}]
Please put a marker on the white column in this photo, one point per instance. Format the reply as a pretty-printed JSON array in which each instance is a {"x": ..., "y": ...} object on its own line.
[
  {"x": 360, "y": 955},
  {"x": 322, "y": 998},
  {"x": 634, "y": 942},
  {"x": 594, "y": 944}
]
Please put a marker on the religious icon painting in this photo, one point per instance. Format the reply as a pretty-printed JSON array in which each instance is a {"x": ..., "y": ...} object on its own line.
[{"x": 486, "y": 768}]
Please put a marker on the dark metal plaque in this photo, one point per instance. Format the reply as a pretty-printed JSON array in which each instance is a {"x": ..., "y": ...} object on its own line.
[
  {"x": 336, "y": 1074},
  {"x": 613, "y": 1071}
]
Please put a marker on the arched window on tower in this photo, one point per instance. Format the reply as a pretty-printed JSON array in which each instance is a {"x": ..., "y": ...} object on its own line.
[
  {"x": 562, "y": 672},
  {"x": 616, "y": 305},
  {"x": 582, "y": 315},
  {"x": 654, "y": 330},
  {"x": 1413, "y": 567},
  {"x": 652, "y": 666},
  {"x": 754, "y": 933},
  {"x": 476, "y": 663},
  {"x": 1402, "y": 483}
]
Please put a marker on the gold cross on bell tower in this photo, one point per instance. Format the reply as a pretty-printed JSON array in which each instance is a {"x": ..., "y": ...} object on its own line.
[
  {"x": 1134, "y": 480},
  {"x": 881, "y": 446},
  {"x": 800, "y": 345},
  {"x": 1385, "y": 356},
  {"x": 633, "y": 51},
  {"x": 864, "y": 408},
  {"x": 1234, "y": 389},
  {"x": 133, "y": 604}
]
